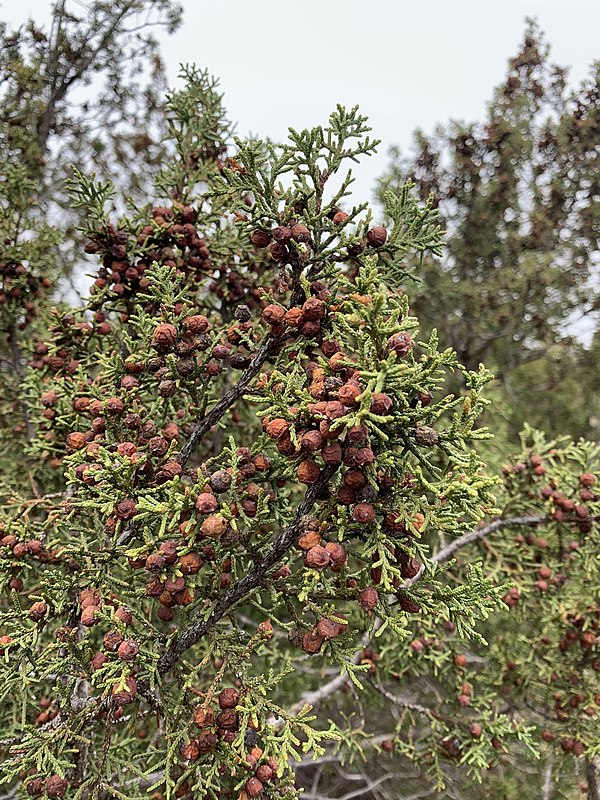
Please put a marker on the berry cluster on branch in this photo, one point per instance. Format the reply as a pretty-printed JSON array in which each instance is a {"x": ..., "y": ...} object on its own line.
[{"x": 245, "y": 458}]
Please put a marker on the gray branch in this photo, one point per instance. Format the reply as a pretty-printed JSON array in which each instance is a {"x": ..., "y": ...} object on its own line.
[{"x": 591, "y": 774}]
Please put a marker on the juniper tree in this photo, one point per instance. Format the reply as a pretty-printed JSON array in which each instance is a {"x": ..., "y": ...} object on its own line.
[
  {"x": 518, "y": 194},
  {"x": 85, "y": 89},
  {"x": 106, "y": 46},
  {"x": 239, "y": 471},
  {"x": 547, "y": 656}
]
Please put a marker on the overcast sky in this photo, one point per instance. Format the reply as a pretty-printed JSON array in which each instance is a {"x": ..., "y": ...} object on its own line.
[{"x": 406, "y": 64}]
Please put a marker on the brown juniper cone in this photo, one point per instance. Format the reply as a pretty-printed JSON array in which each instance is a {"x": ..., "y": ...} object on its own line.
[
  {"x": 376, "y": 237},
  {"x": 38, "y": 611},
  {"x": 229, "y": 698},
  {"x": 368, "y": 598},
  {"x": 400, "y": 343},
  {"x": 22, "y": 292},
  {"x": 426, "y": 436},
  {"x": 56, "y": 786}
]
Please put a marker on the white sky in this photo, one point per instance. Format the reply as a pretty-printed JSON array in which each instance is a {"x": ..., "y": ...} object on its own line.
[{"x": 406, "y": 64}]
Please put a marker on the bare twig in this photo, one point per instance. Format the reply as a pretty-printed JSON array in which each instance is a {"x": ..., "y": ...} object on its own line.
[
  {"x": 12, "y": 793},
  {"x": 370, "y": 785},
  {"x": 548, "y": 786},
  {"x": 402, "y": 702},
  {"x": 20, "y": 373},
  {"x": 479, "y": 533},
  {"x": 79, "y": 701},
  {"x": 335, "y": 757}
]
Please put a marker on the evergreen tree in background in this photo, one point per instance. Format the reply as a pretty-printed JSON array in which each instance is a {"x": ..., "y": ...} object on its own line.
[
  {"x": 519, "y": 194},
  {"x": 87, "y": 90}
]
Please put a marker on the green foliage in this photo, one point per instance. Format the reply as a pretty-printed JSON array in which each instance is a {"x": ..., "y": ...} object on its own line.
[
  {"x": 198, "y": 130},
  {"x": 553, "y": 635},
  {"x": 92, "y": 196},
  {"x": 251, "y": 537},
  {"x": 515, "y": 192},
  {"x": 253, "y": 443}
]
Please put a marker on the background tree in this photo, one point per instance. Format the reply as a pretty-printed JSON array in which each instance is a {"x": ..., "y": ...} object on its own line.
[
  {"x": 86, "y": 90},
  {"x": 518, "y": 193},
  {"x": 546, "y": 656},
  {"x": 107, "y": 46}
]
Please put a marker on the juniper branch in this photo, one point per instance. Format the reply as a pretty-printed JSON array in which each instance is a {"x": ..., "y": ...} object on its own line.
[
  {"x": 592, "y": 779},
  {"x": 249, "y": 582},
  {"x": 402, "y": 702},
  {"x": 332, "y": 686},
  {"x": 206, "y": 422},
  {"x": 480, "y": 533},
  {"x": 17, "y": 362}
]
